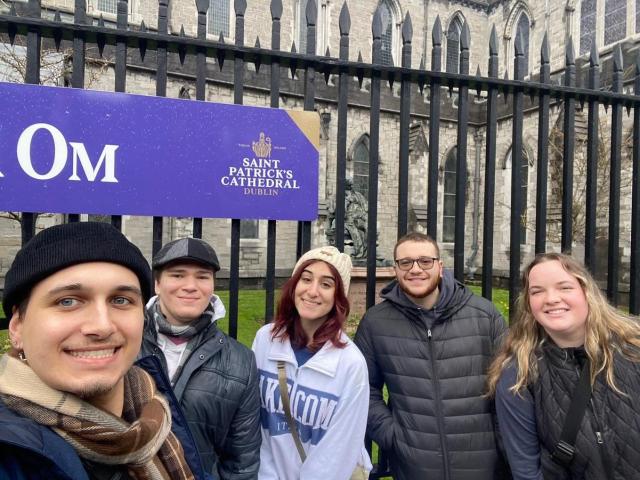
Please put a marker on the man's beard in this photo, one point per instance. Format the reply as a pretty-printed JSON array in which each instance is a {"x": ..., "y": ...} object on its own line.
[
  {"x": 430, "y": 289},
  {"x": 88, "y": 392}
]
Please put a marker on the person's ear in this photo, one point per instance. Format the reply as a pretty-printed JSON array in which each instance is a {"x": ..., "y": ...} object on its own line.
[{"x": 15, "y": 328}]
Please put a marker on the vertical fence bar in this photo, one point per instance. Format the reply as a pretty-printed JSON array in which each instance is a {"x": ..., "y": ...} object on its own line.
[
  {"x": 201, "y": 78},
  {"x": 161, "y": 91},
  {"x": 543, "y": 150},
  {"x": 79, "y": 49},
  {"x": 634, "y": 283},
  {"x": 434, "y": 131},
  {"x": 269, "y": 283},
  {"x": 490, "y": 169},
  {"x": 32, "y": 75},
  {"x": 240, "y": 7},
  {"x": 568, "y": 131},
  {"x": 343, "y": 99},
  {"x": 516, "y": 176},
  {"x": 614, "y": 174},
  {"x": 309, "y": 99},
  {"x": 461, "y": 159},
  {"x": 405, "y": 118},
  {"x": 122, "y": 25},
  {"x": 78, "y": 62},
  {"x": 592, "y": 163},
  {"x": 374, "y": 153}
]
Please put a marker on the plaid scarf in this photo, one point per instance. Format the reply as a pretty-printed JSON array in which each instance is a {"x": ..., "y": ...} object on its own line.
[
  {"x": 191, "y": 331},
  {"x": 142, "y": 439}
]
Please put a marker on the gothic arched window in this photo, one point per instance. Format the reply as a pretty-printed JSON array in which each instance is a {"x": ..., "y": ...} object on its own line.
[
  {"x": 615, "y": 20},
  {"x": 588, "y": 18},
  {"x": 449, "y": 208},
  {"x": 453, "y": 45},
  {"x": 360, "y": 159},
  {"x": 387, "y": 33},
  {"x": 218, "y": 18},
  {"x": 522, "y": 31}
]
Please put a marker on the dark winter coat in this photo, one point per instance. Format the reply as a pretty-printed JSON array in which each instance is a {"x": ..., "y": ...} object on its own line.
[
  {"x": 610, "y": 417},
  {"x": 218, "y": 392},
  {"x": 30, "y": 451},
  {"x": 437, "y": 425}
]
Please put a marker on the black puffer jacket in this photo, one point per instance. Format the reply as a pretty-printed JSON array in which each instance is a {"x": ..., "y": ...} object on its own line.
[
  {"x": 218, "y": 392},
  {"x": 615, "y": 416},
  {"x": 437, "y": 424}
]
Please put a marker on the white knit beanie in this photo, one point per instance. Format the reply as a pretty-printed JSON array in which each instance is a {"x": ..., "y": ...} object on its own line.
[{"x": 331, "y": 255}]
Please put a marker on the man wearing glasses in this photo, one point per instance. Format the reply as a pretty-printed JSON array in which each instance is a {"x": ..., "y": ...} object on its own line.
[{"x": 430, "y": 342}]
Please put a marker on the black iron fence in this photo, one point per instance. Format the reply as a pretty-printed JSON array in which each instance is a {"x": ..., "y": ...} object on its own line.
[{"x": 517, "y": 95}]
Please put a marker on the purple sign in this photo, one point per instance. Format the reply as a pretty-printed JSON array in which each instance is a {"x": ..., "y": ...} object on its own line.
[{"x": 79, "y": 151}]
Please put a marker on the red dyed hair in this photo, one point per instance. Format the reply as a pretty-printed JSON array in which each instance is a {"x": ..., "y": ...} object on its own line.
[{"x": 287, "y": 322}]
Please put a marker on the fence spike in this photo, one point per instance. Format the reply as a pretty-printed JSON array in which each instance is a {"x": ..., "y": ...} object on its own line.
[
  {"x": 544, "y": 50},
  {"x": 221, "y": 37},
  {"x": 344, "y": 21},
  {"x": 311, "y": 13},
  {"x": 436, "y": 34},
  {"x": 359, "y": 72},
  {"x": 202, "y": 6},
  {"x": 390, "y": 80},
  {"x": 12, "y": 10},
  {"x": 276, "y": 9},
  {"x": 293, "y": 65},
  {"x": 220, "y": 53},
  {"x": 594, "y": 56},
  {"x": 240, "y": 6},
  {"x": 407, "y": 29},
  {"x": 422, "y": 65},
  {"x": 142, "y": 43},
  {"x": 182, "y": 51},
  {"x": 570, "y": 57},
  {"x": 519, "y": 46},
  {"x": 617, "y": 58},
  {"x": 327, "y": 52},
  {"x": 376, "y": 24},
  {"x": 11, "y": 28},
  {"x": 493, "y": 41},
  {"x": 465, "y": 37},
  {"x": 57, "y": 34},
  {"x": 101, "y": 39},
  {"x": 257, "y": 62}
]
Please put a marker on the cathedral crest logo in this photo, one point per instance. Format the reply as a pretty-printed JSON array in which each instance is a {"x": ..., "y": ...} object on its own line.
[{"x": 262, "y": 148}]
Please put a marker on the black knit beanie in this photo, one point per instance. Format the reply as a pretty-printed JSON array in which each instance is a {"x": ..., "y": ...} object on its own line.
[{"x": 65, "y": 245}]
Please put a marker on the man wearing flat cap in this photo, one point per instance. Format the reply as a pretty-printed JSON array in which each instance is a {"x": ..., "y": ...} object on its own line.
[
  {"x": 72, "y": 405},
  {"x": 213, "y": 376}
]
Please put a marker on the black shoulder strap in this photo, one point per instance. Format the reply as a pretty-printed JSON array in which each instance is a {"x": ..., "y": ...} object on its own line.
[{"x": 565, "y": 448}]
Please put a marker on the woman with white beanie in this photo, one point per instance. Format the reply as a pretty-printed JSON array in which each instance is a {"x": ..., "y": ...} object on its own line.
[{"x": 316, "y": 430}]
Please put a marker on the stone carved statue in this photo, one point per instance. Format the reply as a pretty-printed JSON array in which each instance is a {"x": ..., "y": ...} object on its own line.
[{"x": 355, "y": 223}]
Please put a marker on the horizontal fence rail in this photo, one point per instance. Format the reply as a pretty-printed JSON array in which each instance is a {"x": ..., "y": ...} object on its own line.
[{"x": 514, "y": 99}]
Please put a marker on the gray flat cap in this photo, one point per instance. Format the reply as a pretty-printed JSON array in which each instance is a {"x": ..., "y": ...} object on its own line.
[{"x": 188, "y": 249}]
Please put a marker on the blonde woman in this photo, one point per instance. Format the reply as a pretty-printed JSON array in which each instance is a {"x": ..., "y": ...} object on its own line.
[{"x": 564, "y": 327}]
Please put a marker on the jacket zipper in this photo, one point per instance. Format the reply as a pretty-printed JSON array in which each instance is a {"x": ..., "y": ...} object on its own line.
[
  {"x": 598, "y": 431},
  {"x": 436, "y": 387}
]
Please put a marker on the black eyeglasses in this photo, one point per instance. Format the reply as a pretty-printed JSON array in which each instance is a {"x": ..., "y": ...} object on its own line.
[{"x": 425, "y": 263}]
